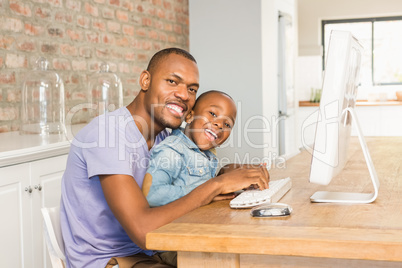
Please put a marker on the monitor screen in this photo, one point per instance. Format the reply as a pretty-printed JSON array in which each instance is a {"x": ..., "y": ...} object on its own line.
[
  {"x": 336, "y": 113},
  {"x": 341, "y": 79}
]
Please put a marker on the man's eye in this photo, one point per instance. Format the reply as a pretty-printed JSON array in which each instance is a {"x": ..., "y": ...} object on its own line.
[
  {"x": 213, "y": 114},
  {"x": 170, "y": 81},
  {"x": 227, "y": 125},
  {"x": 193, "y": 90}
]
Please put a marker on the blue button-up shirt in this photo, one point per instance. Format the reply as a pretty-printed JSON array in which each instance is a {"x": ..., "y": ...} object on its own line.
[{"x": 177, "y": 167}]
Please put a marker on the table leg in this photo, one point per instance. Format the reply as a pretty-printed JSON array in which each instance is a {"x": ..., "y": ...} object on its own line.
[{"x": 207, "y": 260}]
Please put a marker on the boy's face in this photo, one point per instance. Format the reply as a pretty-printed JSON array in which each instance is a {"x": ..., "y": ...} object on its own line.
[
  {"x": 211, "y": 121},
  {"x": 172, "y": 91}
]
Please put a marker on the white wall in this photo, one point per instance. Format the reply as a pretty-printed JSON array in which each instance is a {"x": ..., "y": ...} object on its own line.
[
  {"x": 270, "y": 10},
  {"x": 235, "y": 45},
  {"x": 225, "y": 39}
]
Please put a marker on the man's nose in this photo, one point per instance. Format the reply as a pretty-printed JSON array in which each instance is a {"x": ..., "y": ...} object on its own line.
[{"x": 182, "y": 92}]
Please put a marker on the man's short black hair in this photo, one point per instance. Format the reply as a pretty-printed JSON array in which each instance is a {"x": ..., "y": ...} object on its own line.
[{"x": 160, "y": 55}]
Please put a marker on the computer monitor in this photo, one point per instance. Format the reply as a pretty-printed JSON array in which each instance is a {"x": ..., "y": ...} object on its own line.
[{"x": 336, "y": 115}]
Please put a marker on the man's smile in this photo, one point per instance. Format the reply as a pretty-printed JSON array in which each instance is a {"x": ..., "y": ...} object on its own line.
[{"x": 176, "y": 108}]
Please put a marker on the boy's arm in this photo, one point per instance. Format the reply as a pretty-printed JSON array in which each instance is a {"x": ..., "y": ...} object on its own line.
[
  {"x": 165, "y": 167},
  {"x": 161, "y": 192}
]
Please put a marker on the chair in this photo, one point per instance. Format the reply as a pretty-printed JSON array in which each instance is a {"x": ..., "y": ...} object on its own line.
[{"x": 53, "y": 237}]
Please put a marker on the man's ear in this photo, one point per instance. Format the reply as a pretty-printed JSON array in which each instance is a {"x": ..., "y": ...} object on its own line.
[
  {"x": 189, "y": 118},
  {"x": 145, "y": 80}
]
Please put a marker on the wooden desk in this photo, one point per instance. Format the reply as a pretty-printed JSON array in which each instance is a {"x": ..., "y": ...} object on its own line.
[{"x": 315, "y": 235}]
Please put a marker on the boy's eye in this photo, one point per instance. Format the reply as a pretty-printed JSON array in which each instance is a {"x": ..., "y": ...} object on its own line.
[
  {"x": 213, "y": 114},
  {"x": 227, "y": 125}
]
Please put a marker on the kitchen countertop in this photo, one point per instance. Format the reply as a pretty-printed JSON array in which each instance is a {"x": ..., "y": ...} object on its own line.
[
  {"x": 358, "y": 103},
  {"x": 16, "y": 148}
]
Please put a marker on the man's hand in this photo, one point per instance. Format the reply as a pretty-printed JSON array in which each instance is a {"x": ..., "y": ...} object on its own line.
[{"x": 224, "y": 197}]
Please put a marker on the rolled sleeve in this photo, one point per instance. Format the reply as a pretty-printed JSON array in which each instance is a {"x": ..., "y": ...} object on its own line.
[{"x": 165, "y": 166}]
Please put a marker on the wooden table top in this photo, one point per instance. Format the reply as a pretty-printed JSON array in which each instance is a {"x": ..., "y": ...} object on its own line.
[{"x": 364, "y": 231}]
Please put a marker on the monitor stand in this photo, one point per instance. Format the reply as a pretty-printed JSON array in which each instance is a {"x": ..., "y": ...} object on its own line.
[{"x": 357, "y": 198}]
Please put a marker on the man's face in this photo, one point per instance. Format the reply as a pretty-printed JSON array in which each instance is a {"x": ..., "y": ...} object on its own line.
[
  {"x": 172, "y": 91},
  {"x": 212, "y": 121}
]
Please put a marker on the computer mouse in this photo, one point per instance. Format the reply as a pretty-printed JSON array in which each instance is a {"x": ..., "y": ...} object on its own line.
[{"x": 271, "y": 210}]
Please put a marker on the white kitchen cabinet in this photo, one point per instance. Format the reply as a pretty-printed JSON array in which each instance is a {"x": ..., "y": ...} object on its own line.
[
  {"x": 24, "y": 190},
  {"x": 31, "y": 170},
  {"x": 374, "y": 120},
  {"x": 380, "y": 120},
  {"x": 46, "y": 180},
  {"x": 16, "y": 221}
]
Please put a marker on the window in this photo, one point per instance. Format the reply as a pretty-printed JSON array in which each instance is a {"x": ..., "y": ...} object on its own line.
[{"x": 382, "y": 42}]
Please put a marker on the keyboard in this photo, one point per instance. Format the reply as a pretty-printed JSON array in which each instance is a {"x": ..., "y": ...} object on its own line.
[{"x": 251, "y": 198}]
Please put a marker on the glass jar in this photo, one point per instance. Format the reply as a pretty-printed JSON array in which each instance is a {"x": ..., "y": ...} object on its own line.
[
  {"x": 42, "y": 98},
  {"x": 105, "y": 91}
]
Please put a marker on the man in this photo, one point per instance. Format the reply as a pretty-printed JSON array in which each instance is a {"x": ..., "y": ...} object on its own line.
[{"x": 103, "y": 211}]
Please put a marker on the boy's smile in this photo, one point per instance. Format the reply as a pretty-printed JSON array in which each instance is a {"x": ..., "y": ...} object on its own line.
[{"x": 211, "y": 135}]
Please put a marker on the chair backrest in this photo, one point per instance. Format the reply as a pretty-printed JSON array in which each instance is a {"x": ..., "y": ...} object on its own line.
[{"x": 53, "y": 237}]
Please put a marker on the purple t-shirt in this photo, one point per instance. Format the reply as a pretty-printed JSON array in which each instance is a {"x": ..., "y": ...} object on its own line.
[{"x": 109, "y": 144}]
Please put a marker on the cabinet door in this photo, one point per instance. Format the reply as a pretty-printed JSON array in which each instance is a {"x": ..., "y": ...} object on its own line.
[
  {"x": 46, "y": 178},
  {"x": 16, "y": 243},
  {"x": 369, "y": 120},
  {"x": 390, "y": 125}
]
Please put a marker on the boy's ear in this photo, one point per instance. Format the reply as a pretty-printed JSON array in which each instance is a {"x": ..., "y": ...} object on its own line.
[
  {"x": 189, "y": 118},
  {"x": 145, "y": 80}
]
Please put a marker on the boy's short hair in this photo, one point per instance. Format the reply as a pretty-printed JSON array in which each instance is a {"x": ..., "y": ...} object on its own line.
[
  {"x": 208, "y": 92},
  {"x": 161, "y": 55}
]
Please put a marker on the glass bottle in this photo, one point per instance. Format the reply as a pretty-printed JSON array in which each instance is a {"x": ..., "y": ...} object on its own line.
[
  {"x": 42, "y": 97},
  {"x": 105, "y": 91},
  {"x": 312, "y": 95}
]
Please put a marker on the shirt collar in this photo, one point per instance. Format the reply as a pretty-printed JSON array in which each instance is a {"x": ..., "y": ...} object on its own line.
[{"x": 179, "y": 132}]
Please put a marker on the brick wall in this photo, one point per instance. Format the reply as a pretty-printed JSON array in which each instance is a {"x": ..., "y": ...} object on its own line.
[{"x": 76, "y": 36}]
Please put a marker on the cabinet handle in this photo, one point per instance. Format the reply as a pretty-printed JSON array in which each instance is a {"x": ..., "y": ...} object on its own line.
[
  {"x": 28, "y": 189},
  {"x": 38, "y": 187}
]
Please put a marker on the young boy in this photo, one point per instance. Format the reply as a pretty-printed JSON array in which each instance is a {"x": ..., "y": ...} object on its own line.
[{"x": 186, "y": 158}]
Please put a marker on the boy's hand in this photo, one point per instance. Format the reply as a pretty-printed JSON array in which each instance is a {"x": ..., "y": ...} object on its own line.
[
  {"x": 230, "y": 167},
  {"x": 243, "y": 177}
]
